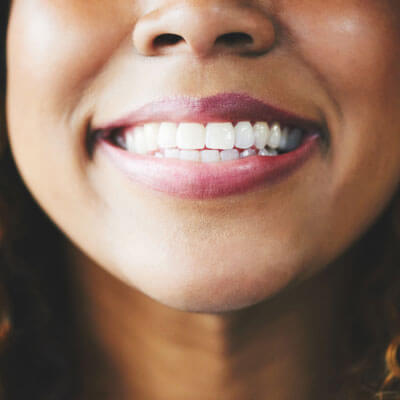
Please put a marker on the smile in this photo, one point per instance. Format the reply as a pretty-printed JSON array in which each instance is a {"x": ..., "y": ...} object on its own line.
[
  {"x": 217, "y": 141},
  {"x": 209, "y": 147}
]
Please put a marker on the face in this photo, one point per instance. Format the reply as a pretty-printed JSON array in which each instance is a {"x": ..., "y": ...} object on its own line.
[{"x": 80, "y": 73}]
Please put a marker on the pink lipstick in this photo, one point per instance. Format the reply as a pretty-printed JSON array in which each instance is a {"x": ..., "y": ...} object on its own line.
[
  {"x": 233, "y": 107},
  {"x": 201, "y": 180}
]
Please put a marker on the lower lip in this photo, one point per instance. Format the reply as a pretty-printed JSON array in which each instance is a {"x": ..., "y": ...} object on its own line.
[{"x": 198, "y": 180}]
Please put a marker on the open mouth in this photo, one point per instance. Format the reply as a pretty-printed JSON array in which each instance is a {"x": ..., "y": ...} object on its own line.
[
  {"x": 208, "y": 147},
  {"x": 211, "y": 142}
]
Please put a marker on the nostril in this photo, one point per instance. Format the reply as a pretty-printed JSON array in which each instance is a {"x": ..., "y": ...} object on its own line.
[
  {"x": 234, "y": 39},
  {"x": 203, "y": 30},
  {"x": 166, "y": 39}
]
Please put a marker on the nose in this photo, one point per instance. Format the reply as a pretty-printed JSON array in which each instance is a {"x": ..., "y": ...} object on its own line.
[{"x": 204, "y": 28}]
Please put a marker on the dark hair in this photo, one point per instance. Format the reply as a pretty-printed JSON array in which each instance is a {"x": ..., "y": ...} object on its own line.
[
  {"x": 4, "y": 12},
  {"x": 38, "y": 362},
  {"x": 37, "y": 359}
]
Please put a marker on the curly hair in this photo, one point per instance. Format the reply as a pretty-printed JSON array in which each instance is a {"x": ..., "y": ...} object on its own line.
[{"x": 37, "y": 324}]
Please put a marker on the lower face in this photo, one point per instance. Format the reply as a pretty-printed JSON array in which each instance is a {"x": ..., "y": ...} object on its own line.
[{"x": 216, "y": 213}]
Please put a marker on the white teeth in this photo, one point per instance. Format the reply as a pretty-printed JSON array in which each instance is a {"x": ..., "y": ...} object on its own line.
[
  {"x": 220, "y": 135},
  {"x": 284, "y": 138},
  {"x": 228, "y": 155},
  {"x": 190, "y": 155},
  {"x": 171, "y": 153},
  {"x": 275, "y": 137},
  {"x": 247, "y": 153},
  {"x": 140, "y": 140},
  {"x": 244, "y": 135},
  {"x": 222, "y": 140},
  {"x": 136, "y": 140},
  {"x": 151, "y": 132},
  {"x": 130, "y": 141},
  {"x": 210, "y": 156},
  {"x": 267, "y": 153},
  {"x": 191, "y": 136},
  {"x": 261, "y": 134},
  {"x": 167, "y": 135}
]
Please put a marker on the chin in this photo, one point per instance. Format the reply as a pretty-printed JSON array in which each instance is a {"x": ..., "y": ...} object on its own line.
[{"x": 210, "y": 288}]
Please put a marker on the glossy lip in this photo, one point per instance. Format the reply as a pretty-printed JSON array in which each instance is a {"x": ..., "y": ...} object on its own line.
[
  {"x": 198, "y": 180},
  {"x": 232, "y": 107}
]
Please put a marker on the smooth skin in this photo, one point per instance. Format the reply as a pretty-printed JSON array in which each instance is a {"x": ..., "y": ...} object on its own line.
[{"x": 253, "y": 266}]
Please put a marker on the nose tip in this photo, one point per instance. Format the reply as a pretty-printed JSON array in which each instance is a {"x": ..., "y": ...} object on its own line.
[{"x": 203, "y": 30}]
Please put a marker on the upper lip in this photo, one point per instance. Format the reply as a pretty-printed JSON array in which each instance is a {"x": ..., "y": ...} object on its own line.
[
  {"x": 233, "y": 107},
  {"x": 224, "y": 107}
]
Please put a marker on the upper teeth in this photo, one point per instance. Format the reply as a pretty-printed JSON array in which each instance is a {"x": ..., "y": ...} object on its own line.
[{"x": 153, "y": 136}]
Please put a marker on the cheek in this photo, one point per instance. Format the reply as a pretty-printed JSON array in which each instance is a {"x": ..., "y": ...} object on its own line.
[
  {"x": 353, "y": 49},
  {"x": 54, "y": 49},
  {"x": 57, "y": 46},
  {"x": 353, "y": 45}
]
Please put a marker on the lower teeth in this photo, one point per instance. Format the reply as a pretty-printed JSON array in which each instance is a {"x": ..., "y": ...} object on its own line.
[{"x": 217, "y": 156}]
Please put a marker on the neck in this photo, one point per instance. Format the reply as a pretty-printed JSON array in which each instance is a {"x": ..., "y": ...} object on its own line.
[{"x": 283, "y": 348}]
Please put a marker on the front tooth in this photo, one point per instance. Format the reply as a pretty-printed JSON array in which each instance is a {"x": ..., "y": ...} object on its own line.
[
  {"x": 190, "y": 155},
  {"x": 210, "y": 155},
  {"x": 275, "y": 137},
  {"x": 191, "y": 136},
  {"x": 220, "y": 135},
  {"x": 151, "y": 132},
  {"x": 167, "y": 135},
  {"x": 228, "y": 155},
  {"x": 293, "y": 140},
  {"x": 171, "y": 153},
  {"x": 244, "y": 135},
  {"x": 247, "y": 153},
  {"x": 261, "y": 134},
  {"x": 140, "y": 140}
]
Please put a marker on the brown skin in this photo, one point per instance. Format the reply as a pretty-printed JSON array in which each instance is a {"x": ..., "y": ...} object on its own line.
[
  {"x": 291, "y": 347},
  {"x": 335, "y": 61}
]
